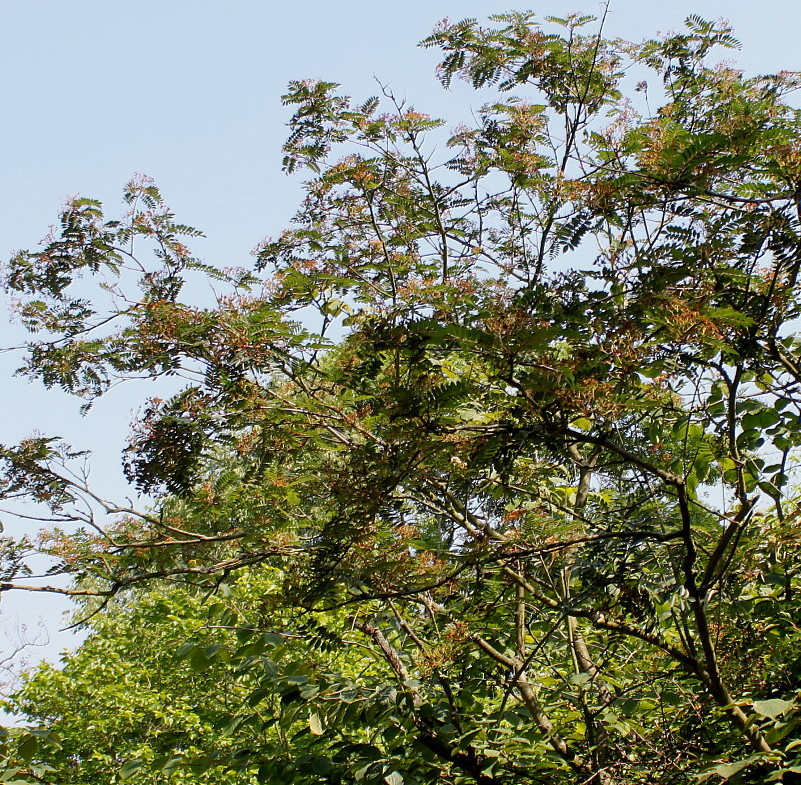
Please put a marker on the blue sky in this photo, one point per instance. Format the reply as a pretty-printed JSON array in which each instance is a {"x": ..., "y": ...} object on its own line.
[{"x": 189, "y": 93}]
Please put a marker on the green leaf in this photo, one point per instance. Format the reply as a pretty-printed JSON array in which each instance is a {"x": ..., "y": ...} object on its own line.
[
  {"x": 315, "y": 724},
  {"x": 27, "y": 746},
  {"x": 322, "y": 764},
  {"x": 129, "y": 768},
  {"x": 258, "y": 695},
  {"x": 727, "y": 770},
  {"x": 774, "y": 707}
]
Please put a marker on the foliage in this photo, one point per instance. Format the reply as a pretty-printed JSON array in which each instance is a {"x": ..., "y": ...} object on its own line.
[
  {"x": 520, "y": 420},
  {"x": 137, "y": 702}
]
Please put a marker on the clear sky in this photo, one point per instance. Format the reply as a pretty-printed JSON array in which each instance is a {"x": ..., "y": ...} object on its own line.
[{"x": 188, "y": 92}]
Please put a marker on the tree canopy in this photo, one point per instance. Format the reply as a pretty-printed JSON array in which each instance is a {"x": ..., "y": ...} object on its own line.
[{"x": 485, "y": 472}]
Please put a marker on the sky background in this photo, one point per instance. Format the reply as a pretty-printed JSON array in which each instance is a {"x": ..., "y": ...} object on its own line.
[{"x": 189, "y": 93}]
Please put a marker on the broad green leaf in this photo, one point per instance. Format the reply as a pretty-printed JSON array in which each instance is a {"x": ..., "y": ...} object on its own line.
[
  {"x": 774, "y": 707},
  {"x": 315, "y": 724}
]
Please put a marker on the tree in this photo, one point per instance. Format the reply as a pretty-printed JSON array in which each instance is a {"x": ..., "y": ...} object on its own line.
[
  {"x": 124, "y": 700},
  {"x": 522, "y": 417},
  {"x": 136, "y": 700}
]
